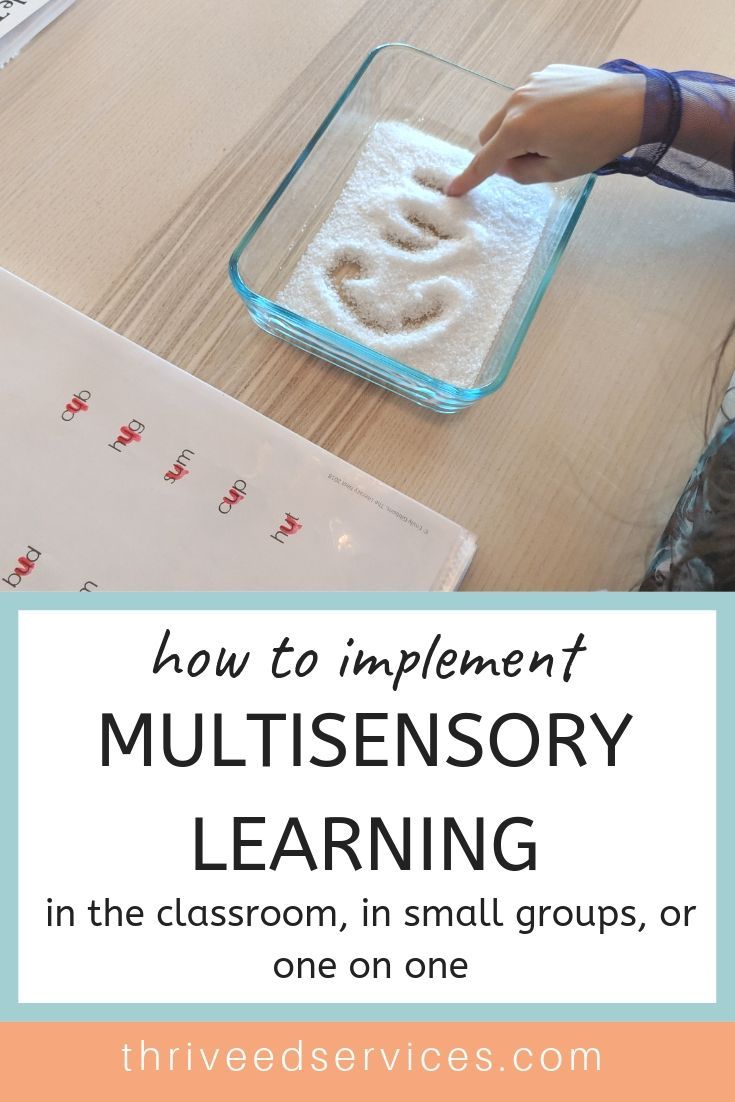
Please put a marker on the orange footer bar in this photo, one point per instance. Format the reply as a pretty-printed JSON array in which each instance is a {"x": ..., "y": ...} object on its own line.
[{"x": 432, "y": 1061}]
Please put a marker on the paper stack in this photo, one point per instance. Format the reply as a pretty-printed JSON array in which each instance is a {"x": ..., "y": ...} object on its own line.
[{"x": 22, "y": 20}]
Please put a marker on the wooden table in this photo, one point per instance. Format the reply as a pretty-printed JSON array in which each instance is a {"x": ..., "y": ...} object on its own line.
[{"x": 137, "y": 141}]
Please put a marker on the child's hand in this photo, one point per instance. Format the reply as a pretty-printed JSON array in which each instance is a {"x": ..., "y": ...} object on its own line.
[{"x": 564, "y": 121}]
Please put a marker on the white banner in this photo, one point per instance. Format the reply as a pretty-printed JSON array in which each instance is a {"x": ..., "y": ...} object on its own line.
[{"x": 434, "y": 806}]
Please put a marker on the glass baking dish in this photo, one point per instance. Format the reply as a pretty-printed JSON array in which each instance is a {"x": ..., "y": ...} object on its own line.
[{"x": 395, "y": 82}]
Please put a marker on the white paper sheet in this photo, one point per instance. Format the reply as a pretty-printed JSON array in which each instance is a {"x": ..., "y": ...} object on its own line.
[
  {"x": 22, "y": 20},
  {"x": 120, "y": 471}
]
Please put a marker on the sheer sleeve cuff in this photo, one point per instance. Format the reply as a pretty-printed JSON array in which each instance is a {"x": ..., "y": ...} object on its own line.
[{"x": 687, "y": 138}]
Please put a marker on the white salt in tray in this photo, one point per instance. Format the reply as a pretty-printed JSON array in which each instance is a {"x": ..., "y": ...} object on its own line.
[{"x": 421, "y": 277}]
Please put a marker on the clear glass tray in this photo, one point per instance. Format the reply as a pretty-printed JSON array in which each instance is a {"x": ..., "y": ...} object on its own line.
[{"x": 401, "y": 83}]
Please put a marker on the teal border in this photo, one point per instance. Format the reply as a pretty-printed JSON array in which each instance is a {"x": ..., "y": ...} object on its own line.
[{"x": 722, "y": 1010}]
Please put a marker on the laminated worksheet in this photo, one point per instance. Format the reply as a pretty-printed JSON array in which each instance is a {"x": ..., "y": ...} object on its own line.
[
  {"x": 123, "y": 472},
  {"x": 22, "y": 20}
]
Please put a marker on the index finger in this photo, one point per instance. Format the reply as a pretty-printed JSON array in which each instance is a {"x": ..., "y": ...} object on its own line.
[
  {"x": 493, "y": 154},
  {"x": 492, "y": 125}
]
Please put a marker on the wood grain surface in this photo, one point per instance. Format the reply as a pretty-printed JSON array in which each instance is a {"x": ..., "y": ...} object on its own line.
[{"x": 139, "y": 139}]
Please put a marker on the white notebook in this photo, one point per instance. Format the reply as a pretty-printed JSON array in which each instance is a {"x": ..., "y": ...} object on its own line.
[
  {"x": 22, "y": 20},
  {"x": 123, "y": 472}
]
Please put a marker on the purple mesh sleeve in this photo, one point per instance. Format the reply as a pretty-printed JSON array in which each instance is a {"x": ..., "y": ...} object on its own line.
[{"x": 688, "y": 136}]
